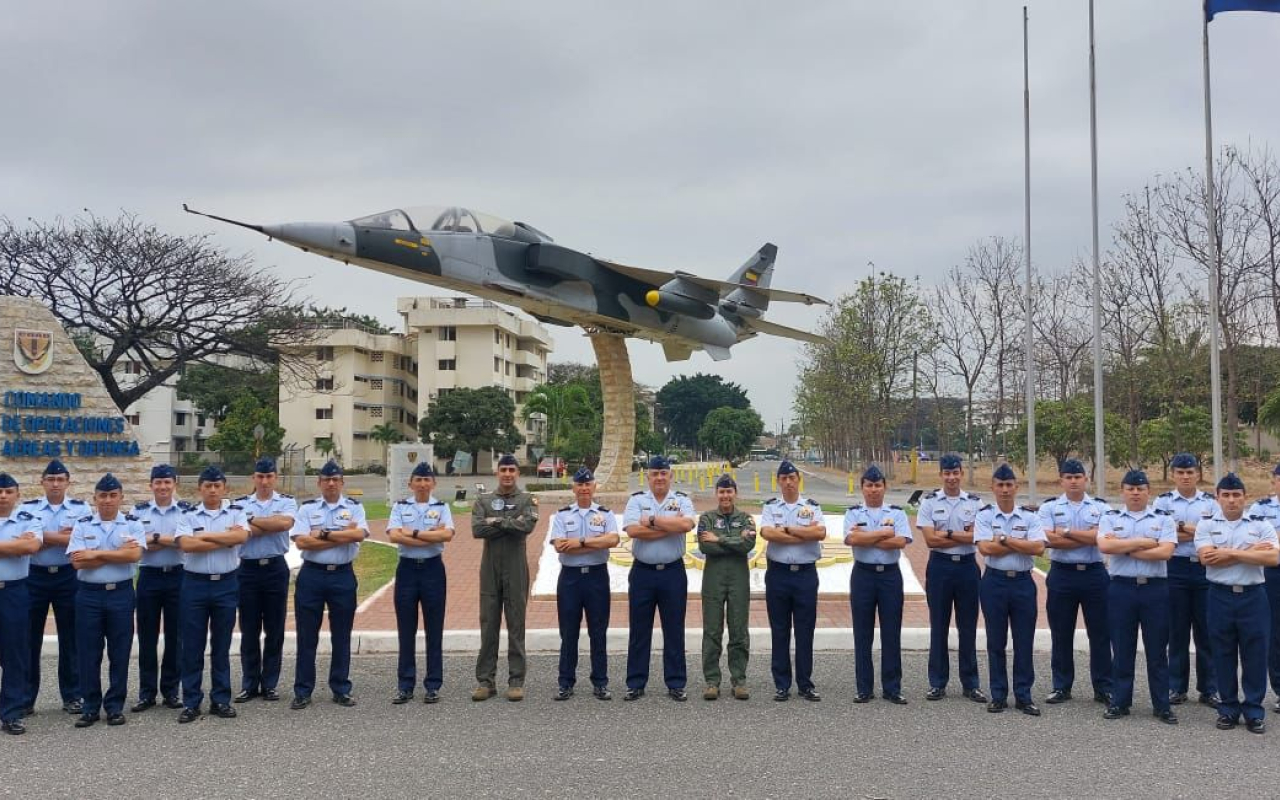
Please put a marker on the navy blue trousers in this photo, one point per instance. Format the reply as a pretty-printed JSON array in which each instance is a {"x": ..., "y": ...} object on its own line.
[
  {"x": 58, "y": 590},
  {"x": 316, "y": 589},
  {"x": 1009, "y": 605},
  {"x": 15, "y": 649},
  {"x": 580, "y": 594},
  {"x": 1070, "y": 592},
  {"x": 665, "y": 591},
  {"x": 159, "y": 601},
  {"x": 1132, "y": 606},
  {"x": 952, "y": 584},
  {"x": 1273, "y": 649},
  {"x": 420, "y": 584},
  {"x": 871, "y": 591},
  {"x": 1189, "y": 618},
  {"x": 264, "y": 600},
  {"x": 791, "y": 598},
  {"x": 104, "y": 618},
  {"x": 208, "y": 617},
  {"x": 1239, "y": 623}
]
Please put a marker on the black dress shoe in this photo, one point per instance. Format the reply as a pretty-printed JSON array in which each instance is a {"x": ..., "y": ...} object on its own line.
[
  {"x": 1115, "y": 712},
  {"x": 602, "y": 693},
  {"x": 1225, "y": 723},
  {"x": 87, "y": 719},
  {"x": 1255, "y": 726},
  {"x": 73, "y": 707},
  {"x": 222, "y": 710},
  {"x": 1058, "y": 696},
  {"x": 633, "y": 694},
  {"x": 810, "y": 694},
  {"x": 1101, "y": 697},
  {"x": 431, "y": 697},
  {"x": 172, "y": 702},
  {"x": 996, "y": 706},
  {"x": 862, "y": 698},
  {"x": 1029, "y": 708},
  {"x": 1276, "y": 707},
  {"x": 1177, "y": 698},
  {"x": 270, "y": 695},
  {"x": 244, "y": 696},
  {"x": 936, "y": 693},
  {"x": 975, "y": 695},
  {"x": 782, "y": 695},
  {"x": 1167, "y": 717},
  {"x": 115, "y": 719},
  {"x": 564, "y": 693},
  {"x": 15, "y": 728},
  {"x": 896, "y": 699},
  {"x": 679, "y": 695},
  {"x": 299, "y": 702},
  {"x": 344, "y": 700},
  {"x": 143, "y": 705},
  {"x": 401, "y": 698},
  {"x": 1210, "y": 699},
  {"x": 189, "y": 715}
]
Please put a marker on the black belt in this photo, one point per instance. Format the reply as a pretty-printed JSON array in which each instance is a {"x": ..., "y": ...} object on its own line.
[
  {"x": 1012, "y": 574},
  {"x": 170, "y": 568},
  {"x": 417, "y": 562},
  {"x": 957, "y": 557},
  {"x": 791, "y": 567},
  {"x": 1192, "y": 559},
  {"x": 327, "y": 567},
  {"x": 1079, "y": 566},
  {"x": 54, "y": 570},
  {"x": 584, "y": 569},
  {"x": 863, "y": 565},
  {"x": 1236, "y": 588},
  {"x": 11, "y": 584},
  {"x": 260, "y": 562},
  {"x": 1143, "y": 581},
  {"x": 104, "y": 587},
  {"x": 210, "y": 576},
  {"x": 660, "y": 567}
]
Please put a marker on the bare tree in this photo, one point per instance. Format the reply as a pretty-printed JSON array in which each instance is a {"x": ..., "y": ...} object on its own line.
[
  {"x": 965, "y": 340},
  {"x": 993, "y": 263},
  {"x": 1063, "y": 331},
  {"x": 1125, "y": 329}
]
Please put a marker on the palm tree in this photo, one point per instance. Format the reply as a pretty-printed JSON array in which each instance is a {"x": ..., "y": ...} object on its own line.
[
  {"x": 388, "y": 434},
  {"x": 564, "y": 406}
]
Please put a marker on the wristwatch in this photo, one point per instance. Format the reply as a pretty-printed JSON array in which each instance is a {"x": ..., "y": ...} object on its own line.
[
  {"x": 155, "y": 537},
  {"x": 414, "y": 534},
  {"x": 1004, "y": 537},
  {"x": 324, "y": 535},
  {"x": 949, "y": 534},
  {"x": 582, "y": 542},
  {"x": 653, "y": 520}
]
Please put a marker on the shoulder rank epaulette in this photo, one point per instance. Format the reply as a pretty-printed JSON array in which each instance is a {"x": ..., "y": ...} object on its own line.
[
  {"x": 854, "y": 507},
  {"x": 143, "y": 504},
  {"x": 436, "y": 503},
  {"x": 896, "y": 508},
  {"x": 1257, "y": 518},
  {"x": 680, "y": 494},
  {"x": 1166, "y": 494},
  {"x": 1264, "y": 501},
  {"x": 984, "y": 508},
  {"x": 24, "y": 515},
  {"x": 607, "y": 511},
  {"x": 1163, "y": 512},
  {"x": 1113, "y": 511},
  {"x": 31, "y": 502},
  {"x": 405, "y": 502},
  {"x": 71, "y": 501},
  {"x": 86, "y": 519},
  {"x": 184, "y": 505},
  {"x": 353, "y": 500},
  {"x": 235, "y": 507},
  {"x": 770, "y": 501},
  {"x": 566, "y": 508},
  {"x": 637, "y": 494},
  {"x": 288, "y": 496},
  {"x": 812, "y": 502},
  {"x": 131, "y": 517},
  {"x": 241, "y": 499}
]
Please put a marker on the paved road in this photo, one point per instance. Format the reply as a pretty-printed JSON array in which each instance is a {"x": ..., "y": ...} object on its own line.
[{"x": 651, "y": 748}]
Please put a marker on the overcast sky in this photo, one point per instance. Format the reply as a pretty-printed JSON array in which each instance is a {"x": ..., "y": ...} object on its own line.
[{"x": 662, "y": 134}]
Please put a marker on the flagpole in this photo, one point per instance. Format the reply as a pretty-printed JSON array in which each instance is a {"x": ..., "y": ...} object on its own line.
[
  {"x": 1210, "y": 204},
  {"x": 1030, "y": 338},
  {"x": 1099, "y": 440}
]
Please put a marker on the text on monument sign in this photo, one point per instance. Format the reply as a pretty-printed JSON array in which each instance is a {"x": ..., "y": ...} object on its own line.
[{"x": 51, "y": 414}]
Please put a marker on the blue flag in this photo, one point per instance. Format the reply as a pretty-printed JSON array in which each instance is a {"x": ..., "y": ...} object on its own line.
[{"x": 1212, "y": 7}]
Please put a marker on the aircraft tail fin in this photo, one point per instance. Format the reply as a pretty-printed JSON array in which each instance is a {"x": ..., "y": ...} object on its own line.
[{"x": 756, "y": 273}]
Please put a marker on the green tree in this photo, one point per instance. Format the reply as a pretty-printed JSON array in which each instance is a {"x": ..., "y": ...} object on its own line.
[
  {"x": 325, "y": 447},
  {"x": 1064, "y": 429},
  {"x": 471, "y": 421},
  {"x": 1184, "y": 428},
  {"x": 731, "y": 432},
  {"x": 214, "y": 388},
  {"x": 388, "y": 434},
  {"x": 235, "y": 439},
  {"x": 567, "y": 409},
  {"x": 685, "y": 401}
]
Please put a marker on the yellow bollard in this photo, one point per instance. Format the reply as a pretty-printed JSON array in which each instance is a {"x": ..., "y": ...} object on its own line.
[
  {"x": 701, "y": 483},
  {"x": 640, "y": 477},
  {"x": 850, "y": 483},
  {"x": 757, "y": 477},
  {"x": 773, "y": 483},
  {"x": 801, "y": 483}
]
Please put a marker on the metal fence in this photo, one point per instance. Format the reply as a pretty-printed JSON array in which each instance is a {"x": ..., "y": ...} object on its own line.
[{"x": 238, "y": 465}]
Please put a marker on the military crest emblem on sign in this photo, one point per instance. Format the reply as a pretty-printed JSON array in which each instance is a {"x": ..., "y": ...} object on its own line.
[{"x": 32, "y": 350}]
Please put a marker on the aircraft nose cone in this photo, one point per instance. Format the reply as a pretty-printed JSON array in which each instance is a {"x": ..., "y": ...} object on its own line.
[{"x": 327, "y": 238}]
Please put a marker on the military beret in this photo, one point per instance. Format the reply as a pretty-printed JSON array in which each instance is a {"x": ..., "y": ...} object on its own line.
[
  {"x": 508, "y": 460},
  {"x": 949, "y": 461},
  {"x": 1072, "y": 466},
  {"x": 1231, "y": 483},
  {"x": 331, "y": 469},
  {"x": 1184, "y": 461},
  {"x": 55, "y": 467},
  {"x": 422, "y": 469},
  {"x": 1135, "y": 477},
  {"x": 211, "y": 474},
  {"x": 726, "y": 481},
  {"x": 1004, "y": 472},
  {"x": 163, "y": 471},
  {"x": 658, "y": 462},
  {"x": 7, "y": 481},
  {"x": 108, "y": 483},
  {"x": 872, "y": 474},
  {"x": 787, "y": 468},
  {"x": 265, "y": 465},
  {"x": 583, "y": 475}
]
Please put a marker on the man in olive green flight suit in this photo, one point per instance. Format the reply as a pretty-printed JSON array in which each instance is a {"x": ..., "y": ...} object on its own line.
[
  {"x": 726, "y": 536},
  {"x": 503, "y": 519}
]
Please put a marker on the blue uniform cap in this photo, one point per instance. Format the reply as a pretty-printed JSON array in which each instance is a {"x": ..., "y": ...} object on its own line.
[
  {"x": 583, "y": 475},
  {"x": 7, "y": 481},
  {"x": 726, "y": 481},
  {"x": 163, "y": 471},
  {"x": 787, "y": 468},
  {"x": 658, "y": 462},
  {"x": 265, "y": 466},
  {"x": 1072, "y": 466},
  {"x": 873, "y": 475},
  {"x": 55, "y": 467},
  {"x": 1231, "y": 482},
  {"x": 1184, "y": 461},
  {"x": 422, "y": 470},
  {"x": 1135, "y": 477},
  {"x": 1004, "y": 472},
  {"x": 950, "y": 461},
  {"x": 108, "y": 483},
  {"x": 211, "y": 474},
  {"x": 330, "y": 469},
  {"x": 508, "y": 460}
]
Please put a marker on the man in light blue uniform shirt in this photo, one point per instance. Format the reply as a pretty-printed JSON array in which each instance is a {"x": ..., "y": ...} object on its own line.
[
  {"x": 1188, "y": 587},
  {"x": 657, "y": 520},
  {"x": 1009, "y": 536},
  {"x": 53, "y": 584},
  {"x": 264, "y": 584},
  {"x": 160, "y": 592},
  {"x": 1139, "y": 541},
  {"x": 1268, "y": 508},
  {"x": 104, "y": 547},
  {"x": 210, "y": 536},
  {"x": 21, "y": 535},
  {"x": 582, "y": 533},
  {"x": 328, "y": 531},
  {"x": 420, "y": 525},
  {"x": 795, "y": 528},
  {"x": 1077, "y": 582},
  {"x": 1235, "y": 550},
  {"x": 877, "y": 535}
]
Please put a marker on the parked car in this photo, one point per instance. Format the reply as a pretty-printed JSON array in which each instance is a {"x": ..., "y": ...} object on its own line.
[{"x": 551, "y": 468}]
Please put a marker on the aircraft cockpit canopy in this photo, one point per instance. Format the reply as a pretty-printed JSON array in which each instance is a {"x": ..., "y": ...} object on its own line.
[{"x": 425, "y": 219}]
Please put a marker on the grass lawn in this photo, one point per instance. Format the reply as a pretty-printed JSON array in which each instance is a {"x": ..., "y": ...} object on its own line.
[
  {"x": 375, "y": 567},
  {"x": 376, "y": 509}
]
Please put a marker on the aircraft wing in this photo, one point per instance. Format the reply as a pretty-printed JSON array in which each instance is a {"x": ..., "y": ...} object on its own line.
[
  {"x": 774, "y": 329},
  {"x": 657, "y": 278}
]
